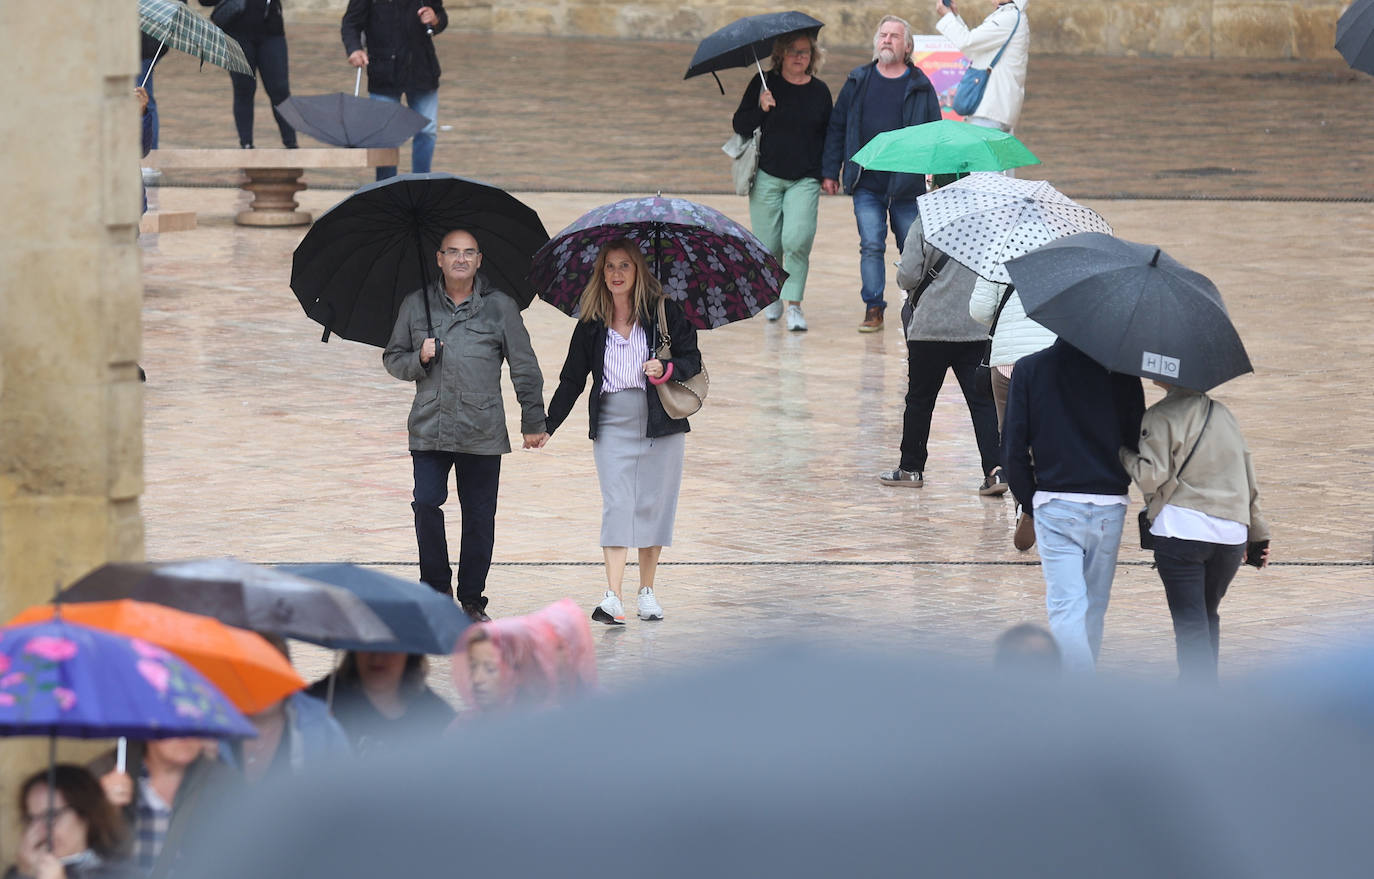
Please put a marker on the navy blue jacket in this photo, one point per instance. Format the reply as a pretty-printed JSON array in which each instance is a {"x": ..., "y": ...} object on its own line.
[
  {"x": 1073, "y": 415},
  {"x": 920, "y": 105}
]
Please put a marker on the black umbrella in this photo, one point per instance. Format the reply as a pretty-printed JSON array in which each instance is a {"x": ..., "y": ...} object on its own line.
[
  {"x": 813, "y": 764},
  {"x": 368, "y": 252},
  {"x": 348, "y": 121},
  {"x": 239, "y": 594},
  {"x": 423, "y": 620},
  {"x": 1355, "y": 35},
  {"x": 1132, "y": 308},
  {"x": 745, "y": 41}
]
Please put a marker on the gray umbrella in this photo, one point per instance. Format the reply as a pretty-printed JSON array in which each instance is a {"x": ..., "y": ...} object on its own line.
[
  {"x": 1355, "y": 35},
  {"x": 1132, "y": 308},
  {"x": 821, "y": 764}
]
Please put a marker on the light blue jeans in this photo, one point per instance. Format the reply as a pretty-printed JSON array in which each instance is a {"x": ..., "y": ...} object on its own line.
[
  {"x": 422, "y": 147},
  {"x": 782, "y": 214},
  {"x": 874, "y": 213},
  {"x": 1078, "y": 546}
]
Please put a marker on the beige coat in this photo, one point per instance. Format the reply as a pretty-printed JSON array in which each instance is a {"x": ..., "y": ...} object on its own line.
[{"x": 1219, "y": 479}]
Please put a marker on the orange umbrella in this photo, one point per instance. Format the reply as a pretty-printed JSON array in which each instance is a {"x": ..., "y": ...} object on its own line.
[{"x": 246, "y": 669}]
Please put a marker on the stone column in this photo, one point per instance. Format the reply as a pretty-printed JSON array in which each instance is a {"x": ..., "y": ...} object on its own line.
[{"x": 71, "y": 406}]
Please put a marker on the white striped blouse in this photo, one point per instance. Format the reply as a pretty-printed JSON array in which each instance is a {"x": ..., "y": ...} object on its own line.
[{"x": 625, "y": 358}]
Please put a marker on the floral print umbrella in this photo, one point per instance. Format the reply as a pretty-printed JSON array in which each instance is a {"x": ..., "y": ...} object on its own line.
[
  {"x": 709, "y": 264},
  {"x": 63, "y": 679}
]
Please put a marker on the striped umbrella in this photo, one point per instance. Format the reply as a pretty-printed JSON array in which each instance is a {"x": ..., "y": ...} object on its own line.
[{"x": 178, "y": 27}]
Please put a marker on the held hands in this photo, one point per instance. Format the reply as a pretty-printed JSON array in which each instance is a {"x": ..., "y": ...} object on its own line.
[
  {"x": 427, "y": 350},
  {"x": 118, "y": 787},
  {"x": 766, "y": 101},
  {"x": 358, "y": 58},
  {"x": 427, "y": 17},
  {"x": 535, "y": 440}
]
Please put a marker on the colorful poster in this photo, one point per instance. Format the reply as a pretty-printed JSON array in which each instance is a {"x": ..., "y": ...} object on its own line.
[{"x": 939, "y": 60}]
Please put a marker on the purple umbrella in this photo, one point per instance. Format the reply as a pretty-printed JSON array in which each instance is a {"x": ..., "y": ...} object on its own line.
[{"x": 709, "y": 264}]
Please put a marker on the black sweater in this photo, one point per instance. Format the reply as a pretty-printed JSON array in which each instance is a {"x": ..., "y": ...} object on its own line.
[
  {"x": 793, "y": 131},
  {"x": 1074, "y": 416},
  {"x": 587, "y": 356}
]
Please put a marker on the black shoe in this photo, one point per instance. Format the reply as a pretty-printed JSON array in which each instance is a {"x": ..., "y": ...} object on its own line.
[
  {"x": 994, "y": 484},
  {"x": 475, "y": 613}
]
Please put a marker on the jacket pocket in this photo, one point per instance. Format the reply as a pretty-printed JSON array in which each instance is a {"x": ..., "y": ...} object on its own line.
[
  {"x": 424, "y": 414},
  {"x": 486, "y": 417}
]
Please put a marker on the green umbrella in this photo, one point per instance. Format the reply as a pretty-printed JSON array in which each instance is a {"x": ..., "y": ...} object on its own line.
[
  {"x": 177, "y": 26},
  {"x": 944, "y": 147}
]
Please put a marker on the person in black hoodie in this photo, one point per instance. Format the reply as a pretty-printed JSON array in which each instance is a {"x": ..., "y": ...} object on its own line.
[
  {"x": 1067, "y": 416},
  {"x": 381, "y": 700},
  {"x": 400, "y": 60},
  {"x": 261, "y": 34}
]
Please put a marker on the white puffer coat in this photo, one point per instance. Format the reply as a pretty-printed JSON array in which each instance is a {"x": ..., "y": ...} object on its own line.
[{"x": 1016, "y": 335}]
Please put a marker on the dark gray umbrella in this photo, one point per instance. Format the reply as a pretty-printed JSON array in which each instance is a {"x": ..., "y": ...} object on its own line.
[
  {"x": 1132, "y": 308},
  {"x": 1355, "y": 35},
  {"x": 746, "y": 41},
  {"x": 423, "y": 620},
  {"x": 348, "y": 121},
  {"x": 822, "y": 764},
  {"x": 239, "y": 594}
]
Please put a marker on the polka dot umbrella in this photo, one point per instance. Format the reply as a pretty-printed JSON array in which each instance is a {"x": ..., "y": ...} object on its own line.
[{"x": 986, "y": 219}]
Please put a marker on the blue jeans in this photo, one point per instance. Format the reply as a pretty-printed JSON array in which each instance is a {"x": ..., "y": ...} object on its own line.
[
  {"x": 1078, "y": 546},
  {"x": 422, "y": 147},
  {"x": 152, "y": 101},
  {"x": 875, "y": 213}
]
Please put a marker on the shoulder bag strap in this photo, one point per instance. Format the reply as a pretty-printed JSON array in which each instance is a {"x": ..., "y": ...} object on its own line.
[
  {"x": 931, "y": 274},
  {"x": 664, "y": 349},
  {"x": 997, "y": 315},
  {"x": 1161, "y": 496},
  {"x": 998, "y": 56}
]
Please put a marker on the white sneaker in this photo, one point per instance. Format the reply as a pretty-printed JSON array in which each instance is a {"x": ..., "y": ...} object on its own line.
[
  {"x": 610, "y": 611},
  {"x": 774, "y": 311},
  {"x": 795, "y": 322},
  {"x": 649, "y": 608}
]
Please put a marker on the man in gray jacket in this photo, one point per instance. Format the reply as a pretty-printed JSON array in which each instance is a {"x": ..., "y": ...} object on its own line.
[
  {"x": 457, "y": 420},
  {"x": 941, "y": 336}
]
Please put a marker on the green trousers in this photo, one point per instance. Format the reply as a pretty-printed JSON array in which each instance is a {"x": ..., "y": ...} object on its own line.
[{"x": 783, "y": 216}]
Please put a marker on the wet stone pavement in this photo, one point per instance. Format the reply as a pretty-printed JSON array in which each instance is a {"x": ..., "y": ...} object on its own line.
[{"x": 265, "y": 444}]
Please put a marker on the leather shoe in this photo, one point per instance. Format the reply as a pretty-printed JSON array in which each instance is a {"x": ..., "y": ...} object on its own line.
[
  {"x": 476, "y": 613},
  {"x": 1024, "y": 537}
]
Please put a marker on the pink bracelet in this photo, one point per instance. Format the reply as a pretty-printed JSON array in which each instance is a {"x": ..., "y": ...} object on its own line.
[{"x": 667, "y": 374}]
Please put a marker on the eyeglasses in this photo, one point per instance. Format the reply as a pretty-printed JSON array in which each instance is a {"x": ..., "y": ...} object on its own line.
[
  {"x": 52, "y": 815},
  {"x": 453, "y": 253},
  {"x": 799, "y": 53}
]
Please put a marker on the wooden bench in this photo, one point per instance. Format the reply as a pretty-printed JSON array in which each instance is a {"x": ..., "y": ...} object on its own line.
[{"x": 273, "y": 175}]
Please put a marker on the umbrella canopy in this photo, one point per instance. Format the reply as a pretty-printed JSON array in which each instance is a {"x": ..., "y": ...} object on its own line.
[
  {"x": 946, "y": 146},
  {"x": 368, "y": 252},
  {"x": 177, "y": 26},
  {"x": 422, "y": 620},
  {"x": 242, "y": 665},
  {"x": 348, "y": 121},
  {"x": 1132, "y": 308},
  {"x": 709, "y": 264},
  {"x": 984, "y": 220},
  {"x": 62, "y": 679},
  {"x": 1355, "y": 35},
  {"x": 239, "y": 594},
  {"x": 746, "y": 41}
]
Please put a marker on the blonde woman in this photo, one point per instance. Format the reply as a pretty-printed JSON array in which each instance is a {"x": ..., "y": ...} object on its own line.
[{"x": 638, "y": 448}]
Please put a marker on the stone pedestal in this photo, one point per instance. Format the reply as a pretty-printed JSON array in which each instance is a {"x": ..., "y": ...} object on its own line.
[
  {"x": 274, "y": 197},
  {"x": 71, "y": 406}
]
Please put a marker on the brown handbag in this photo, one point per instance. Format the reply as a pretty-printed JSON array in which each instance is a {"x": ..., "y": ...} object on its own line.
[{"x": 679, "y": 398}]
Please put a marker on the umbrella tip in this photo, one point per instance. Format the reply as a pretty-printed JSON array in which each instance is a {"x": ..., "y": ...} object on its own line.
[{"x": 1154, "y": 260}]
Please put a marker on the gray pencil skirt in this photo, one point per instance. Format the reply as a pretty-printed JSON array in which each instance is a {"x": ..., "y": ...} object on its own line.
[{"x": 640, "y": 477}]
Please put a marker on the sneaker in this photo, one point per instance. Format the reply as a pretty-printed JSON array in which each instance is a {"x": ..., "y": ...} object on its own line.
[
  {"x": 774, "y": 311},
  {"x": 873, "y": 320},
  {"x": 994, "y": 484},
  {"x": 649, "y": 608},
  {"x": 475, "y": 612},
  {"x": 905, "y": 478},
  {"x": 1024, "y": 536},
  {"x": 795, "y": 321},
  {"x": 610, "y": 611}
]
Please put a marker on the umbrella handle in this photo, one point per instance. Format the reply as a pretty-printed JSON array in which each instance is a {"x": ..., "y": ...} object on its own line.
[
  {"x": 156, "y": 56},
  {"x": 763, "y": 83},
  {"x": 121, "y": 754},
  {"x": 357, "y": 82}
]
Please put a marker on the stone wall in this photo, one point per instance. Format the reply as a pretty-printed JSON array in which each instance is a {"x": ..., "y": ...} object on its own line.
[
  {"x": 1193, "y": 28},
  {"x": 71, "y": 406}
]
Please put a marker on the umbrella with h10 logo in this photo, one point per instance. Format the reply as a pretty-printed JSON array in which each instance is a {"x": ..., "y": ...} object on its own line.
[{"x": 1132, "y": 308}]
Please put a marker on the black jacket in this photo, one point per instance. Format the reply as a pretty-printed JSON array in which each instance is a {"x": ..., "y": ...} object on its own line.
[
  {"x": 1073, "y": 416},
  {"x": 260, "y": 18},
  {"x": 587, "y": 356},
  {"x": 400, "y": 54}
]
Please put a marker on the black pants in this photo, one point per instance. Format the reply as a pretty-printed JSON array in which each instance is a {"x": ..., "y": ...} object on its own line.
[
  {"x": 478, "y": 478},
  {"x": 267, "y": 56},
  {"x": 927, "y": 363},
  {"x": 1196, "y": 576}
]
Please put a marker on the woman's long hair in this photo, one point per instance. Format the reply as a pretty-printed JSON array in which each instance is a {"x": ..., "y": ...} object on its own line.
[
  {"x": 597, "y": 303},
  {"x": 412, "y": 679},
  {"x": 106, "y": 834},
  {"x": 780, "y": 48}
]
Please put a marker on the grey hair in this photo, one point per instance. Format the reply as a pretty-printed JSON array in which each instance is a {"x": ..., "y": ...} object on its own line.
[{"x": 906, "y": 26}]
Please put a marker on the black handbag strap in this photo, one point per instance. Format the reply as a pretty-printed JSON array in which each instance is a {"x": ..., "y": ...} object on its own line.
[
  {"x": 997, "y": 315},
  {"x": 931, "y": 274},
  {"x": 1196, "y": 442}
]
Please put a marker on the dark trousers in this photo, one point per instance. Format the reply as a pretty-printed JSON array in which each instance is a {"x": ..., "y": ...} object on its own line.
[
  {"x": 477, "y": 478},
  {"x": 267, "y": 56},
  {"x": 1196, "y": 576},
  {"x": 927, "y": 363}
]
